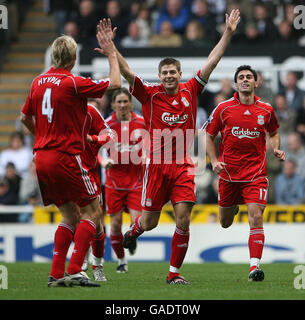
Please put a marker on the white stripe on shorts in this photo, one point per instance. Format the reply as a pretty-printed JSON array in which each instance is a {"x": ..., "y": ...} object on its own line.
[
  {"x": 145, "y": 182},
  {"x": 85, "y": 176}
]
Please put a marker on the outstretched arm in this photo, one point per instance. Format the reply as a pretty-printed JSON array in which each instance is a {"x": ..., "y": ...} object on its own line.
[
  {"x": 218, "y": 51},
  {"x": 108, "y": 49},
  {"x": 125, "y": 70}
]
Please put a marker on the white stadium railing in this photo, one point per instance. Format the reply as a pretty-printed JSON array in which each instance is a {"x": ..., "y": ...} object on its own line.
[{"x": 147, "y": 68}]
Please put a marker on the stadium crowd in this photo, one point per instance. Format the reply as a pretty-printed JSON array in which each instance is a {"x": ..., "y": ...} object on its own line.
[{"x": 177, "y": 23}]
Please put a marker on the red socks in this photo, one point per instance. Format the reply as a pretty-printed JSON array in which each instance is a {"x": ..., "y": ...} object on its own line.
[
  {"x": 117, "y": 244},
  {"x": 98, "y": 244},
  {"x": 256, "y": 245},
  {"x": 84, "y": 233},
  {"x": 62, "y": 240},
  {"x": 137, "y": 228},
  {"x": 180, "y": 242}
]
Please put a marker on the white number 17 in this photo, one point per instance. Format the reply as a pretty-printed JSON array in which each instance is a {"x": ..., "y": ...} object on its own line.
[
  {"x": 262, "y": 194},
  {"x": 47, "y": 109}
]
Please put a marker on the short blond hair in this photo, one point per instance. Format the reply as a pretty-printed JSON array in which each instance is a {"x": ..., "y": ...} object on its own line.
[{"x": 63, "y": 51}]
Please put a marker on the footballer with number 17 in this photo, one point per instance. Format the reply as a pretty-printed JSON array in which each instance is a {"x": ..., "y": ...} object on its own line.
[{"x": 243, "y": 121}]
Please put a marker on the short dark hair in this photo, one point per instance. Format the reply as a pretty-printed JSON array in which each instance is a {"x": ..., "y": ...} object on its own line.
[
  {"x": 245, "y": 67},
  {"x": 119, "y": 91},
  {"x": 167, "y": 61}
]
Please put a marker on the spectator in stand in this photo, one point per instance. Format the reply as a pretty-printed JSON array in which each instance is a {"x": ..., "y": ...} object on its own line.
[
  {"x": 296, "y": 151},
  {"x": 239, "y": 35},
  {"x": 289, "y": 186},
  {"x": 195, "y": 35},
  {"x": 290, "y": 15},
  {"x": 28, "y": 185},
  {"x": 118, "y": 18},
  {"x": 7, "y": 197},
  {"x": 286, "y": 117},
  {"x": 17, "y": 153},
  {"x": 133, "y": 38},
  {"x": 285, "y": 33},
  {"x": 294, "y": 95},
  {"x": 143, "y": 20},
  {"x": 251, "y": 34},
  {"x": 201, "y": 13},
  {"x": 175, "y": 12},
  {"x": 63, "y": 11},
  {"x": 226, "y": 88},
  {"x": 265, "y": 26},
  {"x": 263, "y": 91},
  {"x": 300, "y": 121},
  {"x": 86, "y": 22},
  {"x": 13, "y": 179},
  {"x": 71, "y": 29},
  {"x": 167, "y": 37}
]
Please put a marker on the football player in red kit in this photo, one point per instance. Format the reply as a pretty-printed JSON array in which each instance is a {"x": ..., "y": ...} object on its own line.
[
  {"x": 123, "y": 187},
  {"x": 244, "y": 121},
  {"x": 95, "y": 125},
  {"x": 169, "y": 110},
  {"x": 56, "y": 113}
]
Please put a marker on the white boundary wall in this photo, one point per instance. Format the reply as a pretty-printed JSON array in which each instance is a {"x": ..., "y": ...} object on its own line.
[{"x": 208, "y": 243}]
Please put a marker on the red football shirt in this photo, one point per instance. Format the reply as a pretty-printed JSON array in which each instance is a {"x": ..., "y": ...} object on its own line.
[
  {"x": 126, "y": 151},
  {"x": 170, "y": 119},
  {"x": 58, "y": 100},
  {"x": 95, "y": 125},
  {"x": 243, "y": 131}
]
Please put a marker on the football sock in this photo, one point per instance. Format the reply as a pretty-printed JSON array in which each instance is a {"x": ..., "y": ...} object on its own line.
[
  {"x": 256, "y": 246},
  {"x": 97, "y": 245},
  {"x": 62, "y": 240},
  {"x": 179, "y": 247},
  {"x": 137, "y": 228},
  {"x": 117, "y": 244},
  {"x": 83, "y": 235}
]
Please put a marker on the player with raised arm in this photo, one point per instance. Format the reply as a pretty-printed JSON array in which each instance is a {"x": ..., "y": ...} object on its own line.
[
  {"x": 243, "y": 121},
  {"x": 169, "y": 110},
  {"x": 123, "y": 187},
  {"x": 56, "y": 113}
]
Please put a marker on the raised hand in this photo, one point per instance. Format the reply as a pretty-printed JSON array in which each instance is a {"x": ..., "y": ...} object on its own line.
[
  {"x": 104, "y": 40},
  {"x": 105, "y": 25},
  {"x": 232, "y": 20}
]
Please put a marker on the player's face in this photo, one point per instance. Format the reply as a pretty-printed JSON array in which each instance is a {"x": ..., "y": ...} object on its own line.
[
  {"x": 170, "y": 77},
  {"x": 245, "y": 82},
  {"x": 122, "y": 107}
]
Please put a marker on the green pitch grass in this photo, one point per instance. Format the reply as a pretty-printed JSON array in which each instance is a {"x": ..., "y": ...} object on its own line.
[{"x": 146, "y": 281}]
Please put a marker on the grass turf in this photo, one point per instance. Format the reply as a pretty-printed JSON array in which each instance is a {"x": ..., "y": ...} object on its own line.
[{"x": 146, "y": 281}]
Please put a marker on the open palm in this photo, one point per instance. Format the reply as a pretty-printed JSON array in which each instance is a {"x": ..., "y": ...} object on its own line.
[{"x": 232, "y": 20}]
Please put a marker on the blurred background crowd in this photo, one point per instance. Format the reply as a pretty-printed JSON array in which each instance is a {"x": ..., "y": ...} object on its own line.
[{"x": 178, "y": 23}]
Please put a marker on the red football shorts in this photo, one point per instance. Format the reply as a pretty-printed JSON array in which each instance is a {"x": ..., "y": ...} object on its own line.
[
  {"x": 122, "y": 200},
  {"x": 232, "y": 193},
  {"x": 164, "y": 182},
  {"x": 62, "y": 178}
]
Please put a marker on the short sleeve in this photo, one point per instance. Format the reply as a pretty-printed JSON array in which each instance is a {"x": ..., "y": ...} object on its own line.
[
  {"x": 88, "y": 88},
  {"x": 272, "y": 124},
  {"x": 98, "y": 123},
  {"x": 196, "y": 84},
  {"x": 141, "y": 89},
  {"x": 27, "y": 108},
  {"x": 214, "y": 123}
]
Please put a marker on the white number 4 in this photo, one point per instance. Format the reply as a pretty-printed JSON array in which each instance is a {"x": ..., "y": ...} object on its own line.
[
  {"x": 47, "y": 109},
  {"x": 262, "y": 194}
]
